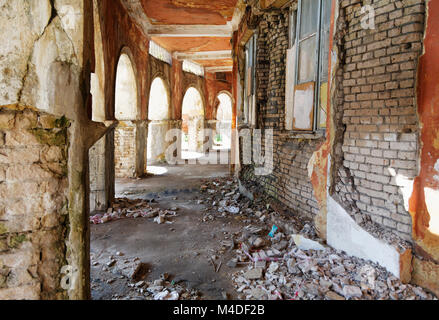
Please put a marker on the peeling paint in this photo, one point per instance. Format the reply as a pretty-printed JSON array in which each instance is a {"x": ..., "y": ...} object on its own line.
[{"x": 424, "y": 208}]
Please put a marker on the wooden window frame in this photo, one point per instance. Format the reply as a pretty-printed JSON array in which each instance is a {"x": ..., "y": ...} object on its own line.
[{"x": 317, "y": 81}]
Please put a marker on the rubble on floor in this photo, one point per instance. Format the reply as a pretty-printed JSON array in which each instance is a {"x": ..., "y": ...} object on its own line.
[
  {"x": 282, "y": 258},
  {"x": 275, "y": 255},
  {"x": 124, "y": 208},
  {"x": 133, "y": 272}
]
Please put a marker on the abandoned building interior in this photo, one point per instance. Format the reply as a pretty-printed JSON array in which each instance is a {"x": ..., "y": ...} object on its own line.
[{"x": 227, "y": 149}]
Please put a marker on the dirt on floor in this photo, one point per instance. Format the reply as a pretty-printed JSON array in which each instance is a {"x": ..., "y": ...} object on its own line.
[{"x": 189, "y": 234}]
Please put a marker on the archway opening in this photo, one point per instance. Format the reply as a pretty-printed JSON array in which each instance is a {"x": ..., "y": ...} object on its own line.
[
  {"x": 224, "y": 117},
  {"x": 125, "y": 154},
  {"x": 158, "y": 116},
  {"x": 126, "y": 90},
  {"x": 192, "y": 125}
]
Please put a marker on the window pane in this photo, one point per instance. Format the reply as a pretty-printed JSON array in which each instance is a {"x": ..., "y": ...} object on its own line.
[
  {"x": 307, "y": 60},
  {"x": 309, "y": 17},
  {"x": 326, "y": 22}
]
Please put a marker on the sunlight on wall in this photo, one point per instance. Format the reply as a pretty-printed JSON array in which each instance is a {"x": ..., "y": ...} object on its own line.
[
  {"x": 405, "y": 184},
  {"x": 224, "y": 124},
  {"x": 126, "y": 90},
  {"x": 432, "y": 201},
  {"x": 158, "y": 108},
  {"x": 193, "y": 121}
]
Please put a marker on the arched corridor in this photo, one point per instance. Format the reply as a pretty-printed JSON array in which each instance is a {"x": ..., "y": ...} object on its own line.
[
  {"x": 192, "y": 125},
  {"x": 224, "y": 117},
  {"x": 126, "y": 105},
  {"x": 158, "y": 116},
  {"x": 226, "y": 149}
]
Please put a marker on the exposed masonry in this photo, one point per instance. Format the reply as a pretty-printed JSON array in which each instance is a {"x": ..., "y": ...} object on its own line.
[
  {"x": 289, "y": 183},
  {"x": 376, "y": 126},
  {"x": 33, "y": 204},
  {"x": 125, "y": 150},
  {"x": 376, "y": 100}
]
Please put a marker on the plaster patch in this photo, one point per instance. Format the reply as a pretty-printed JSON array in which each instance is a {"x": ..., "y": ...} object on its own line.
[
  {"x": 346, "y": 235},
  {"x": 406, "y": 186},
  {"x": 432, "y": 202}
]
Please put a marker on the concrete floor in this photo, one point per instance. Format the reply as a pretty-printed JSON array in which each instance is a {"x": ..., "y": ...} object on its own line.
[
  {"x": 181, "y": 249},
  {"x": 169, "y": 180}
]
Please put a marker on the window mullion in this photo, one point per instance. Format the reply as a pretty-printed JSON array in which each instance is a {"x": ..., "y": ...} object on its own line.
[{"x": 318, "y": 68}]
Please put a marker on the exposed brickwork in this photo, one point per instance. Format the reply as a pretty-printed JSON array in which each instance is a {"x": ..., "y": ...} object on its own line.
[
  {"x": 379, "y": 110},
  {"x": 376, "y": 125},
  {"x": 33, "y": 204},
  {"x": 125, "y": 150},
  {"x": 289, "y": 183}
]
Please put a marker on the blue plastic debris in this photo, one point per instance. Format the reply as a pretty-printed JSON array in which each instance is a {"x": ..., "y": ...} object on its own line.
[{"x": 273, "y": 231}]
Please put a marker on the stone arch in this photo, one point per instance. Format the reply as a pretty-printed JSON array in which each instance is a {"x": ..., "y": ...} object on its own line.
[
  {"x": 130, "y": 135},
  {"x": 217, "y": 102},
  {"x": 224, "y": 118},
  {"x": 193, "y": 112},
  {"x": 159, "y": 97},
  {"x": 200, "y": 90},
  {"x": 127, "y": 97},
  {"x": 159, "y": 112}
]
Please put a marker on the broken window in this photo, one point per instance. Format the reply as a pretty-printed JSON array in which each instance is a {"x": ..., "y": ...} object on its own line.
[
  {"x": 307, "y": 66},
  {"x": 250, "y": 82},
  {"x": 160, "y": 53}
]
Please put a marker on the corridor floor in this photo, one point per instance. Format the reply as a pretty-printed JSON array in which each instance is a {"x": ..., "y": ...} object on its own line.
[
  {"x": 179, "y": 249},
  {"x": 211, "y": 242}
]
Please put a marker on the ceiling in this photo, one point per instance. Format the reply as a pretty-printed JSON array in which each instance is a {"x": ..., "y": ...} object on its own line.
[
  {"x": 193, "y": 44},
  {"x": 197, "y": 30},
  {"x": 189, "y": 12}
]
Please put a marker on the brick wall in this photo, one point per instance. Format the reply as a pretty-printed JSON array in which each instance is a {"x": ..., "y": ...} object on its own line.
[
  {"x": 125, "y": 150},
  {"x": 33, "y": 204},
  {"x": 289, "y": 182},
  {"x": 380, "y": 139},
  {"x": 376, "y": 125}
]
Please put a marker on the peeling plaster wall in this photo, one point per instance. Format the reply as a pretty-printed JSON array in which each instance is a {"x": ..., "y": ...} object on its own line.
[
  {"x": 381, "y": 133},
  {"x": 45, "y": 64},
  {"x": 213, "y": 88},
  {"x": 424, "y": 206},
  {"x": 119, "y": 32}
]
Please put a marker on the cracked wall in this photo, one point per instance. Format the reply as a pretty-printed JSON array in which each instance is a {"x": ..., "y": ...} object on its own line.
[
  {"x": 376, "y": 126},
  {"x": 289, "y": 183},
  {"x": 424, "y": 206},
  {"x": 45, "y": 65},
  {"x": 33, "y": 205}
]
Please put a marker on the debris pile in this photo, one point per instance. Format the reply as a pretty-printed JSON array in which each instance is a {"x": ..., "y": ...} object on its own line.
[
  {"x": 280, "y": 257},
  {"x": 133, "y": 273},
  {"x": 124, "y": 208},
  {"x": 275, "y": 255}
]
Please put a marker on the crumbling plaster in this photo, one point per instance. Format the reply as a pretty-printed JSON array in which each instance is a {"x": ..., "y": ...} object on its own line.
[
  {"x": 48, "y": 71},
  {"x": 423, "y": 201}
]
